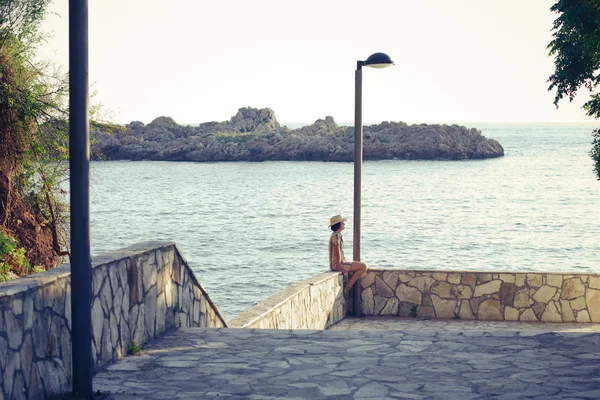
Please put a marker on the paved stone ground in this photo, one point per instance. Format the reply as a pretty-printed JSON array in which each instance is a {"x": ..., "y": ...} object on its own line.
[{"x": 371, "y": 358}]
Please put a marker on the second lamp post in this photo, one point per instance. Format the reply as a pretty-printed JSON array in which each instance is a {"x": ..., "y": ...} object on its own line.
[{"x": 376, "y": 60}]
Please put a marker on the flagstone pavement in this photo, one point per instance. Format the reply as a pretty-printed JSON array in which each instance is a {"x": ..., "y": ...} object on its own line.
[{"x": 366, "y": 358}]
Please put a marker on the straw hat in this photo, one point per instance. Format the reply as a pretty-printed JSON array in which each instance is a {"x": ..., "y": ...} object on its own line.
[{"x": 335, "y": 220}]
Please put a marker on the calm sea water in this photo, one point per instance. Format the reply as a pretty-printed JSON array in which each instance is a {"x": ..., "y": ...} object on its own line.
[{"x": 250, "y": 229}]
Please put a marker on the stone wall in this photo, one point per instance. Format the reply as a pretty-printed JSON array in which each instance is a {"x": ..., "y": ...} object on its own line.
[
  {"x": 314, "y": 303},
  {"x": 485, "y": 296},
  {"x": 138, "y": 293}
]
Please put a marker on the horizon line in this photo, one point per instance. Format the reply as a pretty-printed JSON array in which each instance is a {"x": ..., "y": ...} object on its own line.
[{"x": 409, "y": 122}]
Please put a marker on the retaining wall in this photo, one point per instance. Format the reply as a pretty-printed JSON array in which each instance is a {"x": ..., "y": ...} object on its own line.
[
  {"x": 486, "y": 296},
  {"x": 138, "y": 293},
  {"x": 314, "y": 303}
]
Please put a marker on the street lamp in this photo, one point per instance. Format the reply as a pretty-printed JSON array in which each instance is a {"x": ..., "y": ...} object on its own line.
[
  {"x": 376, "y": 60},
  {"x": 79, "y": 161}
]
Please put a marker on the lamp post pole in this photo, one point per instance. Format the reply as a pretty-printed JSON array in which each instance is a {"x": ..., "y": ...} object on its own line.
[
  {"x": 358, "y": 156},
  {"x": 79, "y": 160},
  {"x": 376, "y": 60}
]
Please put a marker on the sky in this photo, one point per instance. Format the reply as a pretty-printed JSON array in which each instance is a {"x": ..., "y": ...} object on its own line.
[{"x": 196, "y": 61}]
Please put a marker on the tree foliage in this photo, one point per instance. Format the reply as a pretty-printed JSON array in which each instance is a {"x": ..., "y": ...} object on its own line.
[
  {"x": 576, "y": 50},
  {"x": 33, "y": 138},
  {"x": 21, "y": 19}
]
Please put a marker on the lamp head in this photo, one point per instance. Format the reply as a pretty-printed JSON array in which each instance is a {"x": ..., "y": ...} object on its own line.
[{"x": 378, "y": 60}]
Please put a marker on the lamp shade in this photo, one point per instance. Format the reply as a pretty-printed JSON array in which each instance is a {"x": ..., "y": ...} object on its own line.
[{"x": 379, "y": 60}]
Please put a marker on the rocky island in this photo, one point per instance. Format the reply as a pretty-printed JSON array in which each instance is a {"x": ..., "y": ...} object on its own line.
[{"x": 255, "y": 135}]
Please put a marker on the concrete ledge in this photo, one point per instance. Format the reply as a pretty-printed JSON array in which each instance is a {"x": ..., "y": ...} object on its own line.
[
  {"x": 314, "y": 303},
  {"x": 22, "y": 285}
]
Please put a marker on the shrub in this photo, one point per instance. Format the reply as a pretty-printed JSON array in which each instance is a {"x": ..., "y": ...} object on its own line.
[
  {"x": 4, "y": 272},
  {"x": 7, "y": 243}
]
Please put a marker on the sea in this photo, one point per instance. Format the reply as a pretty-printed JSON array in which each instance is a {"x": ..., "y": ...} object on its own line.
[{"x": 249, "y": 230}]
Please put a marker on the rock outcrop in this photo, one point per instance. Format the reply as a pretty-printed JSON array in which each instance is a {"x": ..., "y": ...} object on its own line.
[{"x": 255, "y": 135}]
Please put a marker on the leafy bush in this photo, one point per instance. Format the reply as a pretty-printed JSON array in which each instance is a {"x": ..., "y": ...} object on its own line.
[
  {"x": 19, "y": 260},
  {"x": 414, "y": 311},
  {"x": 13, "y": 258},
  {"x": 4, "y": 272},
  {"x": 7, "y": 244},
  {"x": 595, "y": 152},
  {"x": 134, "y": 349},
  {"x": 37, "y": 269}
]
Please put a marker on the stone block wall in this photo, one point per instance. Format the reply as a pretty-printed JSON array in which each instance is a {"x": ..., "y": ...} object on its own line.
[
  {"x": 487, "y": 296},
  {"x": 314, "y": 303},
  {"x": 138, "y": 293}
]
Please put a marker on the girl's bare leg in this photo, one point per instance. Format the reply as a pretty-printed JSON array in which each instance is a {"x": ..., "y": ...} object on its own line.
[{"x": 358, "y": 268}]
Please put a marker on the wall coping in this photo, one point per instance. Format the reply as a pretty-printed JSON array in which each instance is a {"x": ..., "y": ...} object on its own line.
[
  {"x": 462, "y": 271},
  {"x": 41, "y": 279},
  {"x": 143, "y": 247},
  {"x": 255, "y": 313},
  {"x": 202, "y": 289}
]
